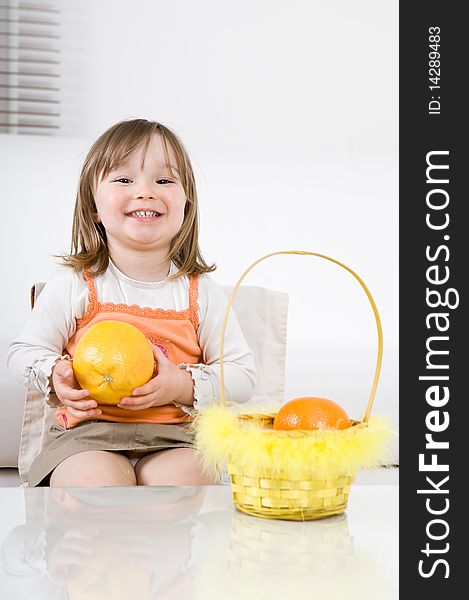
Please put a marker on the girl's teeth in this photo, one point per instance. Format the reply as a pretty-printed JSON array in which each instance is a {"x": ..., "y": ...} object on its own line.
[{"x": 145, "y": 213}]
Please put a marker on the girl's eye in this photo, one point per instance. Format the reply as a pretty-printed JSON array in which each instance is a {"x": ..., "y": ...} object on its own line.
[{"x": 159, "y": 181}]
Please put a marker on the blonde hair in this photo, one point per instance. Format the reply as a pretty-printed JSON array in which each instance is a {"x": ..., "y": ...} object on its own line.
[{"x": 89, "y": 249}]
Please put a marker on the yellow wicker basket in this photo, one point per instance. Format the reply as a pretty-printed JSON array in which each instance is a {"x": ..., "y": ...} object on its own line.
[{"x": 298, "y": 491}]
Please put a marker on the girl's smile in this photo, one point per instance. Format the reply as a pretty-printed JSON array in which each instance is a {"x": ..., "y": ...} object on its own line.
[{"x": 145, "y": 216}]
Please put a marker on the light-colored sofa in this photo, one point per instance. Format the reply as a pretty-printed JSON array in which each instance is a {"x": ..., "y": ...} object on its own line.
[{"x": 11, "y": 414}]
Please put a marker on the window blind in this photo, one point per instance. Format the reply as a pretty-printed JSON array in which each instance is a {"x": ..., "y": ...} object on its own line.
[{"x": 29, "y": 68}]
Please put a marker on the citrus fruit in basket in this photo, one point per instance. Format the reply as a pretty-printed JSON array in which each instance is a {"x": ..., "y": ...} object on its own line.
[
  {"x": 311, "y": 413},
  {"x": 111, "y": 359}
]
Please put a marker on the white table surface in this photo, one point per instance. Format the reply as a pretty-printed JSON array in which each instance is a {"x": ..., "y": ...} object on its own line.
[{"x": 189, "y": 542}]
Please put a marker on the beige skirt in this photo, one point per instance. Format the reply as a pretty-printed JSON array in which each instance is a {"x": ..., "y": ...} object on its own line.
[{"x": 134, "y": 440}]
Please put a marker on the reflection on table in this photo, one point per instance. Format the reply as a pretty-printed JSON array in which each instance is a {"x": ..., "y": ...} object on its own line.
[{"x": 178, "y": 543}]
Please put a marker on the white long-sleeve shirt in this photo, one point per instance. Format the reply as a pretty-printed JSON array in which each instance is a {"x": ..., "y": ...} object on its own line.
[{"x": 64, "y": 299}]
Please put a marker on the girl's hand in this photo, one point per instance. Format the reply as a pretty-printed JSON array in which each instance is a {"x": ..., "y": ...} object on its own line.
[
  {"x": 69, "y": 392},
  {"x": 171, "y": 384}
]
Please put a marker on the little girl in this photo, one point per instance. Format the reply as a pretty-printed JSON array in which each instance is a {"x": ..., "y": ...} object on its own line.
[{"x": 135, "y": 258}]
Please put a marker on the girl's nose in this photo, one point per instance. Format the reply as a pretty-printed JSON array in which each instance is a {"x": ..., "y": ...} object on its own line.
[{"x": 145, "y": 191}]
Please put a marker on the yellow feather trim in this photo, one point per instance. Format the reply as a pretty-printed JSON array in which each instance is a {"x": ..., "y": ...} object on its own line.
[{"x": 222, "y": 437}]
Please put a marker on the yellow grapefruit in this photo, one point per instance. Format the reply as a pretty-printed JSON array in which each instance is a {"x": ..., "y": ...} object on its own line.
[{"x": 111, "y": 359}]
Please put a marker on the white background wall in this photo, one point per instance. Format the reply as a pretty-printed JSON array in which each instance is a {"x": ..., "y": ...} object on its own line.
[{"x": 289, "y": 111}]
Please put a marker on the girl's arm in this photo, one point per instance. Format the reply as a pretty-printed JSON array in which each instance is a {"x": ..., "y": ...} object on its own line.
[
  {"x": 238, "y": 358},
  {"x": 41, "y": 342}
]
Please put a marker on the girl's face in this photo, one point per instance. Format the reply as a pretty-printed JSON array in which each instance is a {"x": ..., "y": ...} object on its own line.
[{"x": 141, "y": 206}]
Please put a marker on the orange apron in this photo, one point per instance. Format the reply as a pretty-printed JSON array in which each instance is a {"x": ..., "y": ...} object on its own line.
[{"x": 175, "y": 332}]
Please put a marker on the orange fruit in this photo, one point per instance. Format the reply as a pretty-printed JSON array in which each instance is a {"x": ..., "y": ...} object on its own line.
[
  {"x": 111, "y": 359},
  {"x": 311, "y": 413}
]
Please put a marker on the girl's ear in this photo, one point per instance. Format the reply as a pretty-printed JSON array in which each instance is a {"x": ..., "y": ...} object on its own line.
[{"x": 96, "y": 218}]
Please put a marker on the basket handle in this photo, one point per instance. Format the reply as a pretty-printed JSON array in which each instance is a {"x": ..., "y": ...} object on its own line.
[{"x": 231, "y": 298}]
